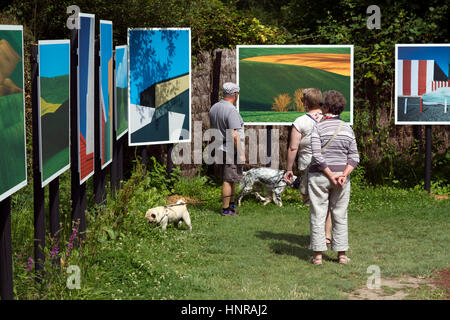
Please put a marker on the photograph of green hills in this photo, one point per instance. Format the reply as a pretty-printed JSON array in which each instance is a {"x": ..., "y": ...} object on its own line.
[
  {"x": 12, "y": 123},
  {"x": 271, "y": 79},
  {"x": 54, "y": 109}
]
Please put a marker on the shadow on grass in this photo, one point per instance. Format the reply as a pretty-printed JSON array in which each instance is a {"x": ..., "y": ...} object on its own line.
[{"x": 297, "y": 247}]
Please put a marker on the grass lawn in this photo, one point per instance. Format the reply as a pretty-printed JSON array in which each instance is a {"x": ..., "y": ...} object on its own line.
[{"x": 260, "y": 254}]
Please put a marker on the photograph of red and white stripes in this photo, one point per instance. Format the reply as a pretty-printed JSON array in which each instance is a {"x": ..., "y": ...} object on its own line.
[{"x": 422, "y": 84}]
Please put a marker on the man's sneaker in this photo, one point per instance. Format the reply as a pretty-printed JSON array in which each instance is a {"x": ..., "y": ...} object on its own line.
[
  {"x": 233, "y": 208},
  {"x": 227, "y": 212}
]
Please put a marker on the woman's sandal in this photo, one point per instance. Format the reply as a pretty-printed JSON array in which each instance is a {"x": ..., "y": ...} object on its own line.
[
  {"x": 316, "y": 261},
  {"x": 343, "y": 259}
]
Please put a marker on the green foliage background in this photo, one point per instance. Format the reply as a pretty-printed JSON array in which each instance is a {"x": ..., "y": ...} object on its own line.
[{"x": 386, "y": 150}]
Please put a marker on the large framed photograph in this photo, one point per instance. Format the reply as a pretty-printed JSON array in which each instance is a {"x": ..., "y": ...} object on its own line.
[
  {"x": 422, "y": 88},
  {"x": 86, "y": 105},
  {"x": 106, "y": 87},
  {"x": 13, "y": 162},
  {"x": 159, "y": 85},
  {"x": 54, "y": 108},
  {"x": 271, "y": 79}
]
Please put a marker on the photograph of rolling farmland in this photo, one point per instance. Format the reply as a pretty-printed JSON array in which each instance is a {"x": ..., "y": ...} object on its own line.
[
  {"x": 271, "y": 79},
  {"x": 13, "y": 171},
  {"x": 159, "y": 86},
  {"x": 86, "y": 95},
  {"x": 422, "y": 84},
  {"x": 121, "y": 123},
  {"x": 106, "y": 92},
  {"x": 53, "y": 102}
]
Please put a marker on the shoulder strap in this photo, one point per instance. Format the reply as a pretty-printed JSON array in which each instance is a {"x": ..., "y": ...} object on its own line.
[{"x": 338, "y": 129}]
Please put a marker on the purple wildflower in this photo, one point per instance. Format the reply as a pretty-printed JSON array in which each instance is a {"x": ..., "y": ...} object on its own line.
[
  {"x": 55, "y": 251},
  {"x": 30, "y": 264},
  {"x": 71, "y": 240}
]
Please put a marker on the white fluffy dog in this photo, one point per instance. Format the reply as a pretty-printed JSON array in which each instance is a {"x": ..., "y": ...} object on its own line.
[{"x": 173, "y": 213}]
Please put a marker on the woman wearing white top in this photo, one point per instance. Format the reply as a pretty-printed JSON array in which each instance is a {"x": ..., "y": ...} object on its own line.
[{"x": 301, "y": 139}]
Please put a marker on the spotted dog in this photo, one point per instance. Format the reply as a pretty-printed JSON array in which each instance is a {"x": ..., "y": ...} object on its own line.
[{"x": 273, "y": 181}]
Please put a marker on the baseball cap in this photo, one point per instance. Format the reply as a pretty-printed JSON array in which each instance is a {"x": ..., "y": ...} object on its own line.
[{"x": 230, "y": 88}]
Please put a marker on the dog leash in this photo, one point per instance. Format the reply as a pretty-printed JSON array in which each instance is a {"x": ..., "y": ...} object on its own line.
[
  {"x": 166, "y": 215},
  {"x": 204, "y": 200},
  {"x": 184, "y": 203}
]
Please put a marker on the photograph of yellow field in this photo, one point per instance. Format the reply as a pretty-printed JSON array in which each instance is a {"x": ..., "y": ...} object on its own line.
[
  {"x": 332, "y": 62},
  {"x": 272, "y": 78}
]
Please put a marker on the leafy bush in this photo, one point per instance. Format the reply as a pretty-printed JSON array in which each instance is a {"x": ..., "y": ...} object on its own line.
[
  {"x": 298, "y": 95},
  {"x": 281, "y": 102}
]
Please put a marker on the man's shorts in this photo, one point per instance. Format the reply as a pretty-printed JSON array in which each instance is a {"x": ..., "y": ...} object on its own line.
[{"x": 231, "y": 172}]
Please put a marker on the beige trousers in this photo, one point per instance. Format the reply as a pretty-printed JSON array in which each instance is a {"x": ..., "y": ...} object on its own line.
[{"x": 323, "y": 196}]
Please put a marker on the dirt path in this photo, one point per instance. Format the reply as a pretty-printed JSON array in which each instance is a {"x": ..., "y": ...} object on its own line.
[{"x": 406, "y": 287}]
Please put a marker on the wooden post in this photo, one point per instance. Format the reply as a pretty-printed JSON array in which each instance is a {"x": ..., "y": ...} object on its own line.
[
  {"x": 54, "y": 215},
  {"x": 83, "y": 206},
  {"x": 77, "y": 210},
  {"x": 117, "y": 164},
  {"x": 38, "y": 191},
  {"x": 212, "y": 169},
  {"x": 6, "y": 270},
  {"x": 99, "y": 174},
  {"x": 114, "y": 168},
  {"x": 428, "y": 156},
  {"x": 120, "y": 145},
  {"x": 169, "y": 166},
  {"x": 269, "y": 146},
  {"x": 144, "y": 157}
]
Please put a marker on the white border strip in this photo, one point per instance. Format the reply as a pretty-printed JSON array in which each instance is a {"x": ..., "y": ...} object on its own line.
[
  {"x": 396, "y": 96},
  {"x": 296, "y": 46},
  {"x": 11, "y": 27},
  {"x": 190, "y": 89}
]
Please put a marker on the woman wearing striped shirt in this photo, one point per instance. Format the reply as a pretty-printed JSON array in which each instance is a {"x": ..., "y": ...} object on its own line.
[{"x": 334, "y": 156}]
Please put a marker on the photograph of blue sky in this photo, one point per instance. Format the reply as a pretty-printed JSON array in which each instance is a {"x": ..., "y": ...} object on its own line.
[
  {"x": 121, "y": 62},
  {"x": 156, "y": 55},
  {"x": 106, "y": 55},
  {"x": 439, "y": 54},
  {"x": 48, "y": 54}
]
